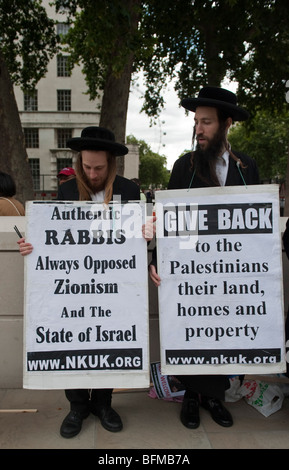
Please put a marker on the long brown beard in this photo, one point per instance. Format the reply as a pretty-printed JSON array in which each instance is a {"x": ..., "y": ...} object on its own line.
[
  {"x": 204, "y": 161},
  {"x": 94, "y": 188}
]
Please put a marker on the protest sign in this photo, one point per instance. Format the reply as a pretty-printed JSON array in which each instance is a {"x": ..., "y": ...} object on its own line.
[
  {"x": 86, "y": 296},
  {"x": 221, "y": 293}
]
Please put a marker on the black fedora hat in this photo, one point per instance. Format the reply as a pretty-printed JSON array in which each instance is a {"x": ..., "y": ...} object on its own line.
[
  {"x": 97, "y": 138},
  {"x": 217, "y": 98}
]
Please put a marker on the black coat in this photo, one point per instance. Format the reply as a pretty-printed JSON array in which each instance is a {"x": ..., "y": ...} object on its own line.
[
  {"x": 182, "y": 173},
  {"x": 123, "y": 187}
]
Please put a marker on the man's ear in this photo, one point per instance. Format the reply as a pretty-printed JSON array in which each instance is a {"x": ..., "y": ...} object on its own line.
[{"x": 229, "y": 122}]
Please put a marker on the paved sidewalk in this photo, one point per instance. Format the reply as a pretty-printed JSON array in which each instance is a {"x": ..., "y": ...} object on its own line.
[{"x": 148, "y": 424}]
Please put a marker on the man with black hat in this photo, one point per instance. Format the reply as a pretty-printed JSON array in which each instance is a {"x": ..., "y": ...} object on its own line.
[
  {"x": 212, "y": 163},
  {"x": 95, "y": 180},
  {"x": 96, "y": 177}
]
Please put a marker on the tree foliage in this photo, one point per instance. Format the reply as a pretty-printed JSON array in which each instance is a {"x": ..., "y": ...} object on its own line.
[
  {"x": 263, "y": 71},
  {"x": 28, "y": 41},
  {"x": 101, "y": 37},
  {"x": 152, "y": 169},
  {"x": 266, "y": 141},
  {"x": 193, "y": 42},
  {"x": 202, "y": 42},
  {"x": 197, "y": 42},
  {"x": 104, "y": 38}
]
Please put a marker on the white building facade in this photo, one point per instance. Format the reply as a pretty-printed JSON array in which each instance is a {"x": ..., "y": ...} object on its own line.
[{"x": 59, "y": 109}]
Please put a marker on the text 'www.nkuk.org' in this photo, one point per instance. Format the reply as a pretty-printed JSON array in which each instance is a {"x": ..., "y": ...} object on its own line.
[
  {"x": 130, "y": 359},
  {"x": 214, "y": 357}
]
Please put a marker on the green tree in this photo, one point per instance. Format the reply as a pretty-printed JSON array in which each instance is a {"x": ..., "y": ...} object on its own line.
[
  {"x": 202, "y": 42},
  {"x": 197, "y": 42},
  {"x": 193, "y": 42},
  {"x": 266, "y": 141},
  {"x": 263, "y": 71},
  {"x": 152, "y": 169},
  {"x": 104, "y": 36},
  {"x": 28, "y": 41}
]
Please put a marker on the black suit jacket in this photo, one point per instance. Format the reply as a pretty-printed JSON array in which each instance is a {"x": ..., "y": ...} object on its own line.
[
  {"x": 123, "y": 187},
  {"x": 182, "y": 173}
]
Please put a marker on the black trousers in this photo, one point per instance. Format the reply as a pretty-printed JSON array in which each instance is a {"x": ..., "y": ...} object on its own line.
[
  {"x": 213, "y": 386},
  {"x": 81, "y": 400}
]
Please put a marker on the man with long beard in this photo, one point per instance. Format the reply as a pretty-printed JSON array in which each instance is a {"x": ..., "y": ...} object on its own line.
[{"x": 212, "y": 164}]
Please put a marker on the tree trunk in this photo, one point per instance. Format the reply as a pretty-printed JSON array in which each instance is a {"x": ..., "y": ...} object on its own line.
[
  {"x": 216, "y": 69},
  {"x": 13, "y": 155},
  {"x": 286, "y": 208},
  {"x": 116, "y": 89},
  {"x": 115, "y": 105}
]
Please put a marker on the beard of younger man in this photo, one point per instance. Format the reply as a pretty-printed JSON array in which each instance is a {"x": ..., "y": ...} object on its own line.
[
  {"x": 95, "y": 187},
  {"x": 205, "y": 160}
]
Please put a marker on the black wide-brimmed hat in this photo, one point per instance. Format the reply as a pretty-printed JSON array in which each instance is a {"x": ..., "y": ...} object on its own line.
[
  {"x": 97, "y": 138},
  {"x": 217, "y": 98}
]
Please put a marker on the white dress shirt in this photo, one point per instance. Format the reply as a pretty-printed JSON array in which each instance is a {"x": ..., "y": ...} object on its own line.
[
  {"x": 222, "y": 166},
  {"x": 98, "y": 197}
]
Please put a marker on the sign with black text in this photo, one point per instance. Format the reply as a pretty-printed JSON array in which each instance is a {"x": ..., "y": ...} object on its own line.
[
  {"x": 86, "y": 296},
  {"x": 221, "y": 293}
]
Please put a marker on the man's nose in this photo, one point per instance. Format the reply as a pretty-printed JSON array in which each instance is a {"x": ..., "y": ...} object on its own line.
[
  {"x": 93, "y": 173},
  {"x": 199, "y": 129}
]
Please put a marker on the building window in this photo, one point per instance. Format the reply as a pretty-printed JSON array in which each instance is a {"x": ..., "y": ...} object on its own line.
[
  {"x": 63, "y": 100},
  {"x": 31, "y": 138},
  {"x": 62, "y": 137},
  {"x": 62, "y": 28},
  {"x": 63, "y": 163},
  {"x": 30, "y": 101},
  {"x": 62, "y": 66},
  {"x": 35, "y": 171}
]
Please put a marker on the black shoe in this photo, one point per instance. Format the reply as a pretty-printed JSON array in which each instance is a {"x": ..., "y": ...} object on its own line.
[
  {"x": 109, "y": 418},
  {"x": 218, "y": 412},
  {"x": 190, "y": 412},
  {"x": 72, "y": 424}
]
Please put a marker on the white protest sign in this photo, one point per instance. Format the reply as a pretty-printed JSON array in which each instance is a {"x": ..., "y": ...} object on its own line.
[
  {"x": 221, "y": 293},
  {"x": 86, "y": 296}
]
